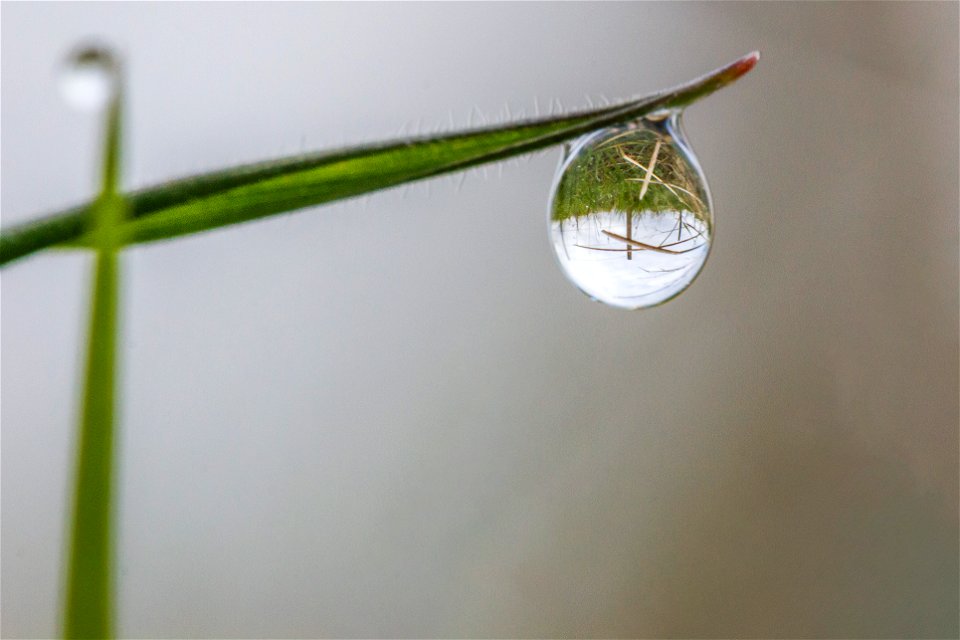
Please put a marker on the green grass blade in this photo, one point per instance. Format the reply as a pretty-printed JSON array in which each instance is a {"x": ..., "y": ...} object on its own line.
[
  {"x": 88, "y": 607},
  {"x": 245, "y": 193},
  {"x": 89, "y": 589}
]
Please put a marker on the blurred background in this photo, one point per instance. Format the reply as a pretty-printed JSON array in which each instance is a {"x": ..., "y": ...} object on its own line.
[{"x": 340, "y": 423}]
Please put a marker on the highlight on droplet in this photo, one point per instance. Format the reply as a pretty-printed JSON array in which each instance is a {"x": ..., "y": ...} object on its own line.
[{"x": 88, "y": 80}]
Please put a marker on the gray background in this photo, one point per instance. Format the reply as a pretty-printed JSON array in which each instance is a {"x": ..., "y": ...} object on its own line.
[{"x": 394, "y": 417}]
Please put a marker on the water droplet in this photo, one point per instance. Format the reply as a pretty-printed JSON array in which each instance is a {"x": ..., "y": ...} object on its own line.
[
  {"x": 630, "y": 217},
  {"x": 89, "y": 78}
]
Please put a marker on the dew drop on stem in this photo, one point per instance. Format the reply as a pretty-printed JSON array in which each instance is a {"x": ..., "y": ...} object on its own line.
[
  {"x": 89, "y": 77},
  {"x": 630, "y": 216}
]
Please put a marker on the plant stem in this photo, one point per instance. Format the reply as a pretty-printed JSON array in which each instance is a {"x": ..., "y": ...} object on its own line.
[
  {"x": 239, "y": 194},
  {"x": 88, "y": 607},
  {"x": 88, "y": 611}
]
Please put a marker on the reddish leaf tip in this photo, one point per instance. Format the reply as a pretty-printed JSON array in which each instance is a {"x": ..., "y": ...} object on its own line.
[{"x": 746, "y": 63}]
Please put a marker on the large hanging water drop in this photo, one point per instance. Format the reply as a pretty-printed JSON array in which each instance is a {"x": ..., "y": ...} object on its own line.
[
  {"x": 630, "y": 217},
  {"x": 88, "y": 80}
]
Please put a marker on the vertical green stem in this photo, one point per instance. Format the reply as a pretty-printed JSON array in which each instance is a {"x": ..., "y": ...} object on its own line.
[
  {"x": 88, "y": 613},
  {"x": 88, "y": 608}
]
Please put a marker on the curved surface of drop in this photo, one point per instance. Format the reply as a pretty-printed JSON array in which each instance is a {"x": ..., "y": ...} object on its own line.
[
  {"x": 631, "y": 217},
  {"x": 89, "y": 78}
]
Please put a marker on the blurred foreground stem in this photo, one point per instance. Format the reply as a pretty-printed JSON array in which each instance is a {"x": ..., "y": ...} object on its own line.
[{"x": 88, "y": 608}]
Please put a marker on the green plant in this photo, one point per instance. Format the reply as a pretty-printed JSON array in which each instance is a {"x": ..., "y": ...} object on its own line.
[{"x": 199, "y": 203}]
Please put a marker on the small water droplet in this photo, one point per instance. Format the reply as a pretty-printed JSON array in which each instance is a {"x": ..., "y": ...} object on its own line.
[
  {"x": 89, "y": 78},
  {"x": 630, "y": 217}
]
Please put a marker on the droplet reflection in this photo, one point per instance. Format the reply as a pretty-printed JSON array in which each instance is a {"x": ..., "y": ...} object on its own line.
[{"x": 630, "y": 216}]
